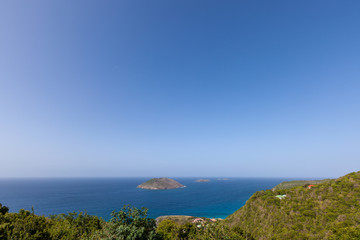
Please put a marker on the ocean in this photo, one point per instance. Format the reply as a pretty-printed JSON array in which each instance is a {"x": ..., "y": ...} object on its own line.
[{"x": 100, "y": 196}]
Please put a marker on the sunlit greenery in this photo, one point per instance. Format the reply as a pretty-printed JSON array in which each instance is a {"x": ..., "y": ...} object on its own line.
[
  {"x": 27, "y": 225},
  {"x": 128, "y": 223},
  {"x": 330, "y": 210}
]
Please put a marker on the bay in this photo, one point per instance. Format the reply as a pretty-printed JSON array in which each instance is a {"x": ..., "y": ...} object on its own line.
[{"x": 100, "y": 196}]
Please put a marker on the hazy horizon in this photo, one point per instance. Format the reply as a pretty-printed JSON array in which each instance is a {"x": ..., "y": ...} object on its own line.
[
  {"x": 179, "y": 88},
  {"x": 174, "y": 177}
]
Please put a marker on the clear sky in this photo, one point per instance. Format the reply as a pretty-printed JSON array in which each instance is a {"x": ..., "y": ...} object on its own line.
[{"x": 179, "y": 88}]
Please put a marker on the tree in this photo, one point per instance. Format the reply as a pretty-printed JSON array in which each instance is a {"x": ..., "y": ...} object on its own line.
[
  {"x": 3, "y": 209},
  {"x": 167, "y": 229},
  {"x": 130, "y": 223}
]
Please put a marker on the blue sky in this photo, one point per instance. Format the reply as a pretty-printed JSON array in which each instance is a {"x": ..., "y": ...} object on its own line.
[{"x": 179, "y": 88}]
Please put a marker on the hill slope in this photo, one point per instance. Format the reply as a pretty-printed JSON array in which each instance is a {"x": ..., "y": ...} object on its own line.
[
  {"x": 297, "y": 183},
  {"x": 330, "y": 210}
]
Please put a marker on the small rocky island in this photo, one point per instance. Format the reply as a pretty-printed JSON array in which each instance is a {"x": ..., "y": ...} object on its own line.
[
  {"x": 202, "y": 180},
  {"x": 160, "y": 184}
]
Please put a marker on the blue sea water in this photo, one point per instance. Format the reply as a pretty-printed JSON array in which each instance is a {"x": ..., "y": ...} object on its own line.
[{"x": 100, "y": 196}]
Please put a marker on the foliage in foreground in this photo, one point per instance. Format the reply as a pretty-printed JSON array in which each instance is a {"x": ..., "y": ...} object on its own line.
[
  {"x": 169, "y": 230},
  {"x": 27, "y": 225},
  {"x": 129, "y": 223}
]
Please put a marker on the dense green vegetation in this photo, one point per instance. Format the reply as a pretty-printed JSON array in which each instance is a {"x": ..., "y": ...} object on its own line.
[
  {"x": 27, "y": 225},
  {"x": 129, "y": 223},
  {"x": 297, "y": 183},
  {"x": 178, "y": 219},
  {"x": 168, "y": 230},
  {"x": 329, "y": 210}
]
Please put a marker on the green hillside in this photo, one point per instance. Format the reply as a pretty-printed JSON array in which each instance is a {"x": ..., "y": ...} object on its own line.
[
  {"x": 330, "y": 210},
  {"x": 298, "y": 183}
]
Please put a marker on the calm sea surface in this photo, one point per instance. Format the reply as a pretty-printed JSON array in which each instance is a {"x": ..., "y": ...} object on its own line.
[{"x": 100, "y": 196}]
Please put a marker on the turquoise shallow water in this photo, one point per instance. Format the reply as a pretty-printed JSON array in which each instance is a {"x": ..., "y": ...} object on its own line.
[{"x": 100, "y": 196}]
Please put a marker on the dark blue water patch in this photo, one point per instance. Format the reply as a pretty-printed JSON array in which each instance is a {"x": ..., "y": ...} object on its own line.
[{"x": 100, "y": 196}]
